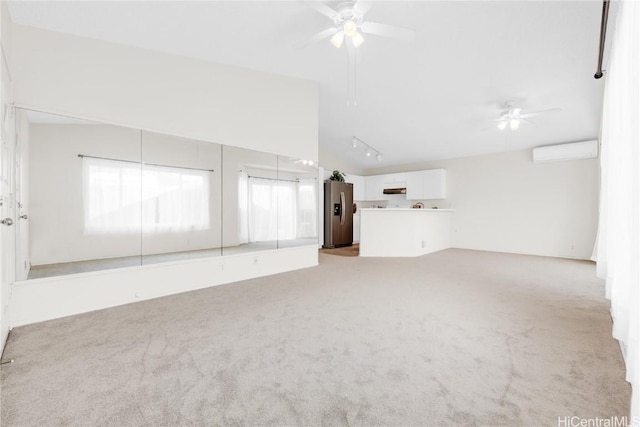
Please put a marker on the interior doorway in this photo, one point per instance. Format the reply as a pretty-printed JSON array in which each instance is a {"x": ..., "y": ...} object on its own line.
[{"x": 7, "y": 200}]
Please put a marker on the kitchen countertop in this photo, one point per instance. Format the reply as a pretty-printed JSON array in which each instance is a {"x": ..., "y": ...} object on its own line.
[{"x": 407, "y": 209}]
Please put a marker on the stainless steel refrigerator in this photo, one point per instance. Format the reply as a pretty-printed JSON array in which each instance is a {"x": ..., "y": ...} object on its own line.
[{"x": 338, "y": 214}]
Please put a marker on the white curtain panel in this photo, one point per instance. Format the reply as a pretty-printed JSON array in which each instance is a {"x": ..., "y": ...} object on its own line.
[
  {"x": 278, "y": 209},
  {"x": 174, "y": 199},
  {"x": 262, "y": 210},
  {"x": 272, "y": 210},
  {"x": 111, "y": 196},
  {"x": 243, "y": 208},
  {"x": 125, "y": 198},
  {"x": 287, "y": 209},
  {"x": 618, "y": 246},
  {"x": 307, "y": 209}
]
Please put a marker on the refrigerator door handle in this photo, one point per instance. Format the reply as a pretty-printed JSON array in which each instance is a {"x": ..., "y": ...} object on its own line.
[{"x": 342, "y": 207}]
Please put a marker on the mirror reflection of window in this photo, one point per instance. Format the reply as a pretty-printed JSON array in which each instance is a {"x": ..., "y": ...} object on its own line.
[
  {"x": 173, "y": 199},
  {"x": 307, "y": 211},
  {"x": 249, "y": 213},
  {"x": 111, "y": 194},
  {"x": 281, "y": 209},
  {"x": 271, "y": 209},
  {"x": 298, "y": 202}
]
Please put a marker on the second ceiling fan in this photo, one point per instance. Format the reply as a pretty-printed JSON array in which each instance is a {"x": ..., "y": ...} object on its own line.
[{"x": 513, "y": 116}]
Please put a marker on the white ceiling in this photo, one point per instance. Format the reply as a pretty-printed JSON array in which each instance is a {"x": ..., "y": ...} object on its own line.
[
  {"x": 54, "y": 119},
  {"x": 433, "y": 98}
]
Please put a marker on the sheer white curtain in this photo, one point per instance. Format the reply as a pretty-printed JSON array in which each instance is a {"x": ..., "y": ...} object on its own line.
[
  {"x": 174, "y": 199},
  {"x": 262, "y": 209},
  {"x": 287, "y": 209},
  {"x": 272, "y": 211},
  {"x": 243, "y": 208},
  {"x": 618, "y": 246},
  {"x": 111, "y": 196},
  {"x": 125, "y": 197},
  {"x": 307, "y": 210}
]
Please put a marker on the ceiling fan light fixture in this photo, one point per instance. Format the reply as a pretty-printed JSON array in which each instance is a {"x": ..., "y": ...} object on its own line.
[
  {"x": 350, "y": 28},
  {"x": 514, "y": 124},
  {"x": 502, "y": 125},
  {"x": 354, "y": 142},
  {"x": 368, "y": 153},
  {"x": 338, "y": 39},
  {"x": 379, "y": 157},
  {"x": 357, "y": 39}
]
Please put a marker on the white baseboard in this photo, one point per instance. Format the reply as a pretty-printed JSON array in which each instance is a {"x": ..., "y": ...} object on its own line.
[{"x": 44, "y": 299}]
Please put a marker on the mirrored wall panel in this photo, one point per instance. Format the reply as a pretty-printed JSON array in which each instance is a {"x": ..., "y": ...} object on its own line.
[
  {"x": 93, "y": 196},
  {"x": 181, "y": 199},
  {"x": 79, "y": 196},
  {"x": 249, "y": 201},
  {"x": 297, "y": 190}
]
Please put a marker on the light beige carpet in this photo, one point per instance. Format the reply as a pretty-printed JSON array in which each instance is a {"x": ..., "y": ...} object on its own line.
[{"x": 453, "y": 338}]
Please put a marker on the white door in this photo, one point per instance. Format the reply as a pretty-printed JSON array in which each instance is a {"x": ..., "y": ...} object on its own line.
[{"x": 7, "y": 201}]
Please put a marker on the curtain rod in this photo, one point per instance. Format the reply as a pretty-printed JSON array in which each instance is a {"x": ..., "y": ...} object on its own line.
[
  {"x": 603, "y": 34},
  {"x": 143, "y": 163},
  {"x": 274, "y": 179}
]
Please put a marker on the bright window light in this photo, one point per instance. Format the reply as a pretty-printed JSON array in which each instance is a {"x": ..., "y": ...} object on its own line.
[{"x": 122, "y": 197}]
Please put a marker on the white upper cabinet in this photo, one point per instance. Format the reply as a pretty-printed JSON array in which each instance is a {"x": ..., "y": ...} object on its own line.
[
  {"x": 358, "y": 186},
  {"x": 373, "y": 186},
  {"x": 420, "y": 185},
  {"x": 394, "y": 180},
  {"x": 426, "y": 185}
]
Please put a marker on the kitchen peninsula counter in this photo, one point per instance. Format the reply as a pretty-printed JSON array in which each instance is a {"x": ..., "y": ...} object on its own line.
[{"x": 402, "y": 232}]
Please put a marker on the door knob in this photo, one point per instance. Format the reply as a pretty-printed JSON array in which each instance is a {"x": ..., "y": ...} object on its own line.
[
  {"x": 7, "y": 222},
  {"x": 25, "y": 216}
]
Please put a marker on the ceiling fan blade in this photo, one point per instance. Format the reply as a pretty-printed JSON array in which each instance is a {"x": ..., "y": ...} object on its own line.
[
  {"x": 535, "y": 113},
  {"x": 384, "y": 30},
  {"x": 529, "y": 122},
  {"x": 322, "y": 8},
  {"x": 316, "y": 38},
  {"x": 362, "y": 6}
]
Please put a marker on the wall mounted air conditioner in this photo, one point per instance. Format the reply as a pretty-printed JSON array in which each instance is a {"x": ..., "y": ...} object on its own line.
[{"x": 572, "y": 151}]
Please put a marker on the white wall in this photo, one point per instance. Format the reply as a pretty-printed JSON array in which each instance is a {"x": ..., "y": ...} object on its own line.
[
  {"x": 506, "y": 203},
  {"x": 170, "y": 94},
  {"x": 333, "y": 161}
]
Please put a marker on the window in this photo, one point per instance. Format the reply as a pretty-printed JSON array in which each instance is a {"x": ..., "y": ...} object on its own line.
[
  {"x": 276, "y": 209},
  {"x": 125, "y": 197}
]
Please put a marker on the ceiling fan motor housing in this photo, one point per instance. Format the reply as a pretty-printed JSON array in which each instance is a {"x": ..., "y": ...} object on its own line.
[{"x": 346, "y": 12}]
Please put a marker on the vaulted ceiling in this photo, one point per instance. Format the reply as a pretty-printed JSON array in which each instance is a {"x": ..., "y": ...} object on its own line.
[{"x": 433, "y": 98}]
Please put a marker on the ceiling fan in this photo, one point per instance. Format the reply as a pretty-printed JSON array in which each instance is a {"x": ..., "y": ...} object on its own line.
[
  {"x": 349, "y": 23},
  {"x": 513, "y": 116}
]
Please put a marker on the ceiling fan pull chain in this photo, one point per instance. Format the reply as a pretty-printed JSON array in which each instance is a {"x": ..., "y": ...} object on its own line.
[
  {"x": 355, "y": 78},
  {"x": 348, "y": 78}
]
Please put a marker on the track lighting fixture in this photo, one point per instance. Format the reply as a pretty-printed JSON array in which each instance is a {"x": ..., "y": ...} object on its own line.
[{"x": 369, "y": 150}]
